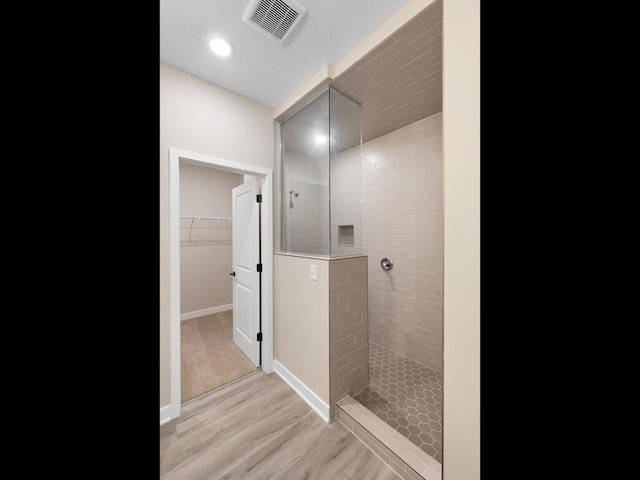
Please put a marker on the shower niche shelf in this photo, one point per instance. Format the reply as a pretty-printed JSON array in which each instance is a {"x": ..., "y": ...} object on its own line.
[{"x": 345, "y": 236}]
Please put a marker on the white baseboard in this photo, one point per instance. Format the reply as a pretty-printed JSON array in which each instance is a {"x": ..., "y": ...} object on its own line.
[
  {"x": 301, "y": 389},
  {"x": 165, "y": 414},
  {"x": 206, "y": 311}
]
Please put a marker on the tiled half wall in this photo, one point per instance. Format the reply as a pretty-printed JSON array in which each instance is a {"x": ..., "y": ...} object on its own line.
[
  {"x": 320, "y": 326},
  {"x": 348, "y": 339}
]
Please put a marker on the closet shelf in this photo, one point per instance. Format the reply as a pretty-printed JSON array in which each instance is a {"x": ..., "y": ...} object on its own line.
[
  {"x": 219, "y": 219},
  {"x": 193, "y": 219},
  {"x": 205, "y": 242}
]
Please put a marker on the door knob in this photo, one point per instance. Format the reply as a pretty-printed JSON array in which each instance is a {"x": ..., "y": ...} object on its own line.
[{"x": 233, "y": 274}]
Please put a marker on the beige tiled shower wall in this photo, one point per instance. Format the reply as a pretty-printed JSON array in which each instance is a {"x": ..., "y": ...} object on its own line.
[
  {"x": 348, "y": 339},
  {"x": 402, "y": 216},
  {"x": 346, "y": 194}
]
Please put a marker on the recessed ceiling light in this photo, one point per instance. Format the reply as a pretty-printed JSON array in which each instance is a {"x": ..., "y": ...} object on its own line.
[
  {"x": 319, "y": 138},
  {"x": 220, "y": 47}
]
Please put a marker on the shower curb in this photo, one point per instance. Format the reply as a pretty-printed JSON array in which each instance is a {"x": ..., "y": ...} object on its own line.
[{"x": 406, "y": 459}]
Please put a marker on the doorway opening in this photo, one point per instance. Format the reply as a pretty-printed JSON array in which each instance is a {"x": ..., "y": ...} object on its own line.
[
  {"x": 221, "y": 273},
  {"x": 210, "y": 358}
]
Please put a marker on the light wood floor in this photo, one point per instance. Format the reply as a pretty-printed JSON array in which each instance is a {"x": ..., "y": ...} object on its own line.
[
  {"x": 210, "y": 358},
  {"x": 258, "y": 428}
]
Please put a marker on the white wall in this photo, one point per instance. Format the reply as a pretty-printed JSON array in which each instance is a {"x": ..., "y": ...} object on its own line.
[
  {"x": 205, "y": 283},
  {"x": 203, "y": 118},
  {"x": 461, "y": 168}
]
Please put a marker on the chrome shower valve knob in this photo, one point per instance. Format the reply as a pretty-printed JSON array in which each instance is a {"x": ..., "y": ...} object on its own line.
[{"x": 386, "y": 264}]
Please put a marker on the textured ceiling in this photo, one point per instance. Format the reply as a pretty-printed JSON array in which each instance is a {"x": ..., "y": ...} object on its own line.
[{"x": 260, "y": 68}]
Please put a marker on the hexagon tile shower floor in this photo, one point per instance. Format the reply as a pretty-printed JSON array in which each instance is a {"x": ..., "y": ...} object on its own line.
[{"x": 407, "y": 396}]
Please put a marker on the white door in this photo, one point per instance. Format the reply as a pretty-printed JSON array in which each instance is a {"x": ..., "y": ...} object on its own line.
[{"x": 246, "y": 282}]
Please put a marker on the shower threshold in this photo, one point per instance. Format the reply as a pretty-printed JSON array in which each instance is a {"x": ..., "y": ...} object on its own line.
[{"x": 406, "y": 459}]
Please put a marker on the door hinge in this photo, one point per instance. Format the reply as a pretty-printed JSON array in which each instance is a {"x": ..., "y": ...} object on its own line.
[
  {"x": 259, "y": 336},
  {"x": 259, "y": 267},
  {"x": 259, "y": 198}
]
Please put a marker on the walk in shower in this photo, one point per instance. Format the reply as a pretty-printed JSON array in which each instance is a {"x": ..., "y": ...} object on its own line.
[
  {"x": 403, "y": 221},
  {"x": 367, "y": 184}
]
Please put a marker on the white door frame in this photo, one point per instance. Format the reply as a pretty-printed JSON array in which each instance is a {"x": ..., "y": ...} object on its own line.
[{"x": 175, "y": 156}]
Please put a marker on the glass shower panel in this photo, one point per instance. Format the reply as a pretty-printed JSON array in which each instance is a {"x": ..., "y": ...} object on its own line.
[
  {"x": 321, "y": 187},
  {"x": 345, "y": 174},
  {"x": 305, "y": 179}
]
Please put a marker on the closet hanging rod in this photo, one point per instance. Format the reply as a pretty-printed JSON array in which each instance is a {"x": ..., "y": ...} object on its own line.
[{"x": 207, "y": 218}]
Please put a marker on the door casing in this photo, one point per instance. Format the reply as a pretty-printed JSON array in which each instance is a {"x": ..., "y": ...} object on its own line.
[{"x": 176, "y": 156}]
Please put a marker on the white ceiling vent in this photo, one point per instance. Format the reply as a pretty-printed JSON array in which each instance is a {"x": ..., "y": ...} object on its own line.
[{"x": 274, "y": 18}]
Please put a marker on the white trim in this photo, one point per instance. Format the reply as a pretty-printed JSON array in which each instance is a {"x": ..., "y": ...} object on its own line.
[
  {"x": 174, "y": 281},
  {"x": 175, "y": 156},
  {"x": 301, "y": 389},
  {"x": 267, "y": 278},
  {"x": 165, "y": 414},
  {"x": 205, "y": 311}
]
